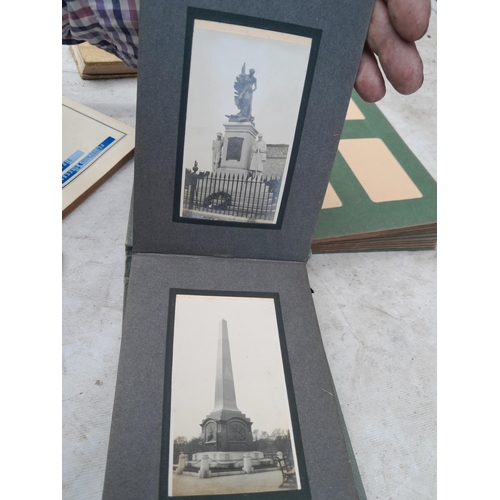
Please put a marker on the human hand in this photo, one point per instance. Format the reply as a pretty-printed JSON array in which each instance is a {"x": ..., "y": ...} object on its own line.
[{"x": 394, "y": 27}]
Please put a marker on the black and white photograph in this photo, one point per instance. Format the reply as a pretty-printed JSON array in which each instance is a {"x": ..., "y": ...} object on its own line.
[
  {"x": 230, "y": 418},
  {"x": 245, "y": 91}
]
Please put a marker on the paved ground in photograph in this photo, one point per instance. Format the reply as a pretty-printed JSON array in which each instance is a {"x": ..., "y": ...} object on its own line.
[{"x": 245, "y": 483}]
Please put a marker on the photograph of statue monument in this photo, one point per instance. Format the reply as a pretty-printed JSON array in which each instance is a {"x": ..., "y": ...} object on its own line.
[
  {"x": 230, "y": 425},
  {"x": 244, "y": 95}
]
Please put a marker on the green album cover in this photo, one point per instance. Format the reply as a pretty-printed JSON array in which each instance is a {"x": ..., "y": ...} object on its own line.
[{"x": 377, "y": 183}]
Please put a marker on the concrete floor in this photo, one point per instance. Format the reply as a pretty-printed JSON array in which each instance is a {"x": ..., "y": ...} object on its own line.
[{"x": 377, "y": 313}]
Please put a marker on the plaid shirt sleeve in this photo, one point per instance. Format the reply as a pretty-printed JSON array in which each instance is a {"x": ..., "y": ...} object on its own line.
[{"x": 112, "y": 25}]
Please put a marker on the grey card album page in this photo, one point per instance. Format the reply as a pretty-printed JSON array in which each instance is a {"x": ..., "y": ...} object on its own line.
[
  {"x": 240, "y": 109},
  {"x": 223, "y": 387}
]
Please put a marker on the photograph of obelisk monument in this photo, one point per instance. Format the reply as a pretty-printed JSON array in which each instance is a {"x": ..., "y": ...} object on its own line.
[
  {"x": 244, "y": 95},
  {"x": 230, "y": 427},
  {"x": 226, "y": 431}
]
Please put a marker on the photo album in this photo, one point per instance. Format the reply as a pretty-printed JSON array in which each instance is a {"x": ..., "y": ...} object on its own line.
[
  {"x": 223, "y": 386},
  {"x": 380, "y": 196}
]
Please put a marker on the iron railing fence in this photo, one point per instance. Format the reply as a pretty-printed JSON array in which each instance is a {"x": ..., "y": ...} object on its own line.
[{"x": 232, "y": 195}]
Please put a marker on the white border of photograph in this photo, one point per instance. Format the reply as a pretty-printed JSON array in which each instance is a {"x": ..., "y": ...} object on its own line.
[{"x": 257, "y": 365}]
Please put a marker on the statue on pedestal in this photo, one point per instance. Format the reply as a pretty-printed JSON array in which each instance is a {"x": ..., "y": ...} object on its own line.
[
  {"x": 217, "y": 151},
  {"x": 259, "y": 156},
  {"x": 244, "y": 86}
]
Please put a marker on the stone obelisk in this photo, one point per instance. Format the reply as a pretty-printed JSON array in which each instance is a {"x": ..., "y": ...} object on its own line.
[
  {"x": 225, "y": 395},
  {"x": 226, "y": 431},
  {"x": 226, "y": 428}
]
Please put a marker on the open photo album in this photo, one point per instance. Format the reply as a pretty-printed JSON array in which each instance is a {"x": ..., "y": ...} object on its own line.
[{"x": 223, "y": 386}]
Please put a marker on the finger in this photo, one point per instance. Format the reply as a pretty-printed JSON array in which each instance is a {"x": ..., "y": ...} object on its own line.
[
  {"x": 369, "y": 82},
  {"x": 399, "y": 58},
  {"x": 410, "y": 18}
]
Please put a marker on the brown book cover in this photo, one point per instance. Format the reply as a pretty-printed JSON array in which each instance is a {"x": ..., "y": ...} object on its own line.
[{"x": 94, "y": 63}]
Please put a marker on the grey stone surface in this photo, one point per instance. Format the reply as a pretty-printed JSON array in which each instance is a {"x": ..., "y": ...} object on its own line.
[
  {"x": 377, "y": 313},
  {"x": 92, "y": 280}
]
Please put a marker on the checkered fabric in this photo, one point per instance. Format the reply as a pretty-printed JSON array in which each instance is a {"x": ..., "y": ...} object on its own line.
[{"x": 112, "y": 25}]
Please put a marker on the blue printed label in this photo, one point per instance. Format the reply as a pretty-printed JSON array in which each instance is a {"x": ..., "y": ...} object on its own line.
[
  {"x": 66, "y": 176},
  {"x": 71, "y": 159}
]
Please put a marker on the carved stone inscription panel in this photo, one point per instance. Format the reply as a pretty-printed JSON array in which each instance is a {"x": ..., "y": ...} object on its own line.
[
  {"x": 234, "y": 147},
  {"x": 237, "y": 431}
]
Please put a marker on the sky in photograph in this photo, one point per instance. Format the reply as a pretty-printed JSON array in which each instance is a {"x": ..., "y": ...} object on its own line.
[
  {"x": 280, "y": 63},
  {"x": 255, "y": 354}
]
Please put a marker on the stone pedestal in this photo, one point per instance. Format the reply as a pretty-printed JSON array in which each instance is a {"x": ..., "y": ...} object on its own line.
[
  {"x": 231, "y": 460},
  {"x": 229, "y": 456},
  {"x": 237, "y": 149},
  {"x": 247, "y": 464},
  {"x": 204, "y": 471},
  {"x": 183, "y": 460},
  {"x": 227, "y": 430}
]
